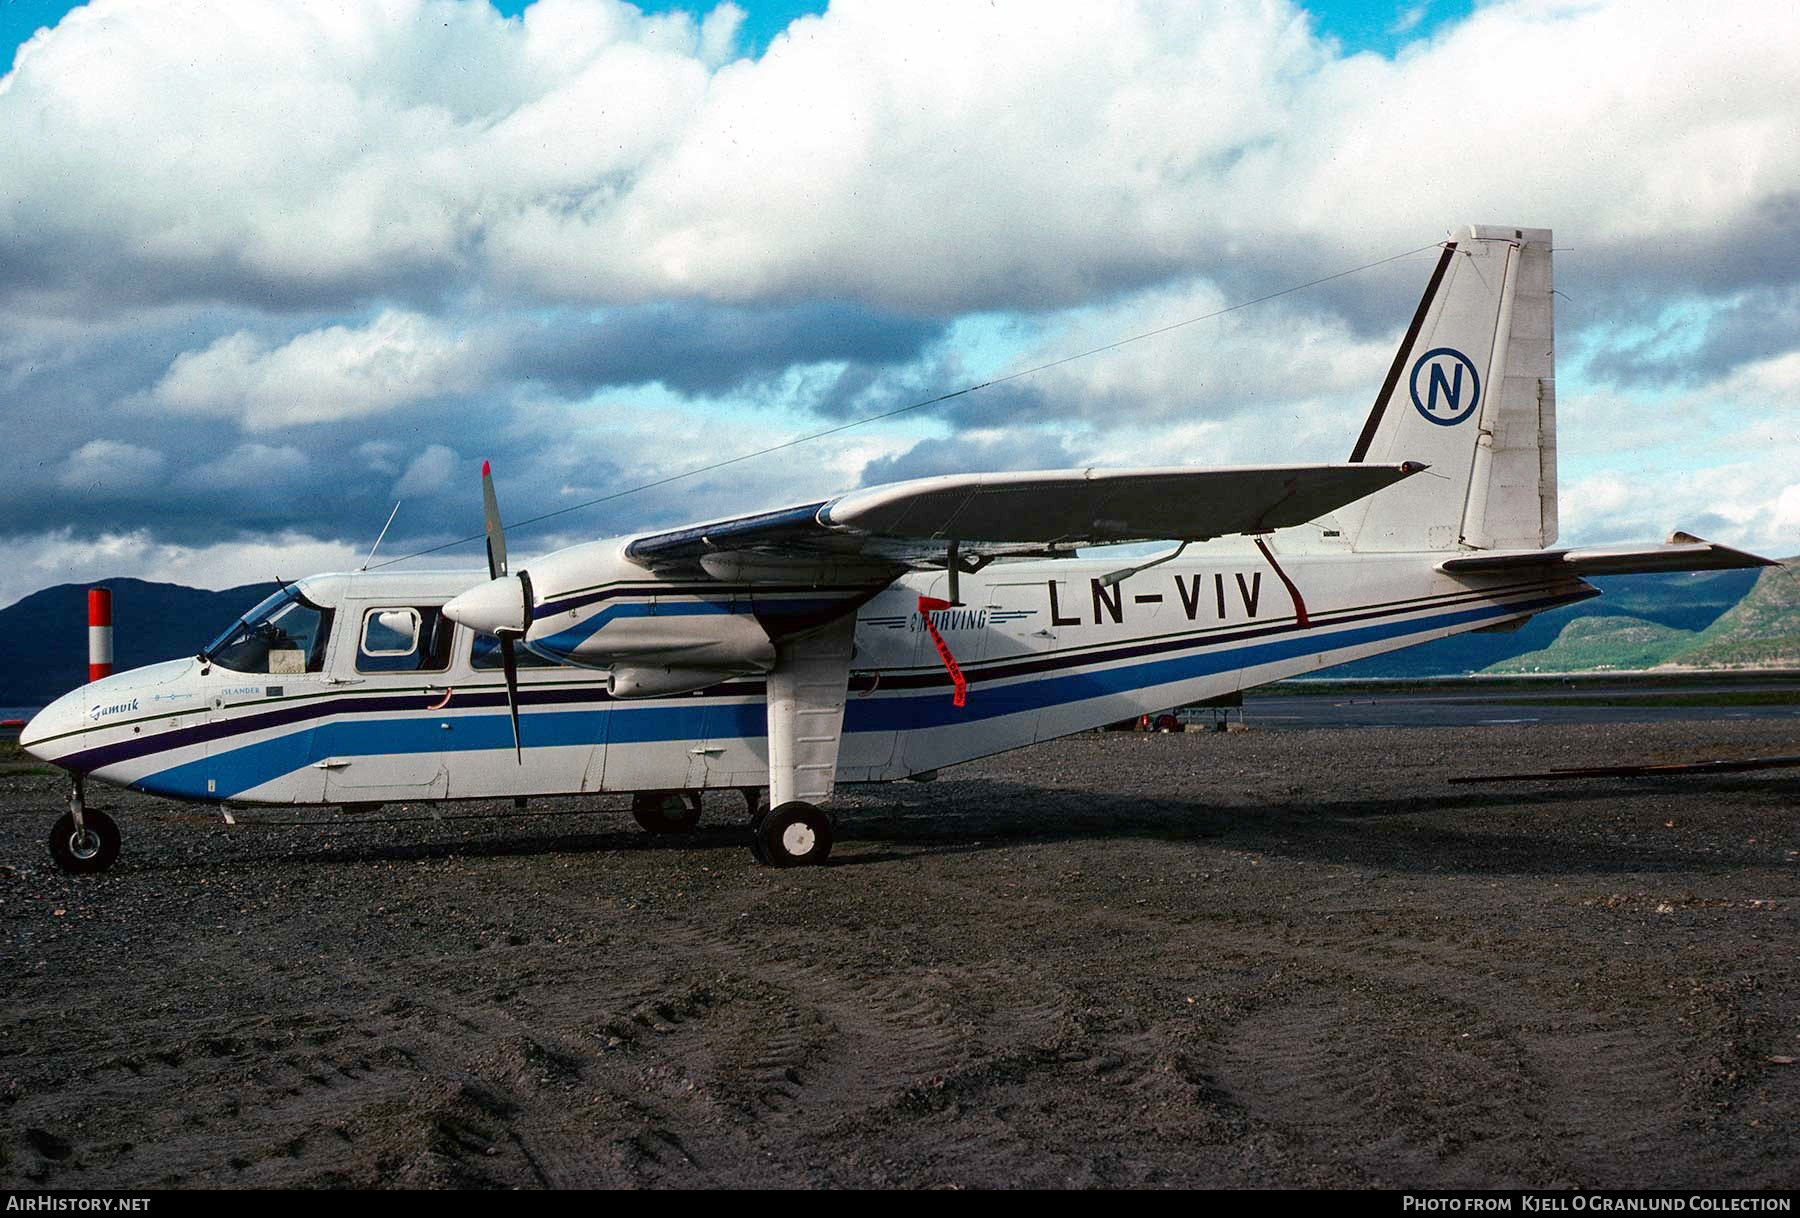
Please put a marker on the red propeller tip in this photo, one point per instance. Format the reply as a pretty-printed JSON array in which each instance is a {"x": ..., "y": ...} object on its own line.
[{"x": 484, "y": 469}]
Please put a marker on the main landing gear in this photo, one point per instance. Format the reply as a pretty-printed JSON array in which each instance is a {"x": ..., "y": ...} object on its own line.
[
  {"x": 84, "y": 840},
  {"x": 797, "y": 834},
  {"x": 666, "y": 811},
  {"x": 794, "y": 835}
]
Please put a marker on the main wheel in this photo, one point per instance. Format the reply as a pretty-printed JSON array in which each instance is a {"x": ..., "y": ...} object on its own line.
[
  {"x": 666, "y": 811},
  {"x": 794, "y": 835},
  {"x": 93, "y": 849}
]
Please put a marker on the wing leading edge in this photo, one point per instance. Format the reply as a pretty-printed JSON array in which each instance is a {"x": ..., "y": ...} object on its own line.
[{"x": 1044, "y": 512}]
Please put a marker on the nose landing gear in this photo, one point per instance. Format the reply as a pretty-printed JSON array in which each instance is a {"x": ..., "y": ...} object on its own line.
[{"x": 84, "y": 840}]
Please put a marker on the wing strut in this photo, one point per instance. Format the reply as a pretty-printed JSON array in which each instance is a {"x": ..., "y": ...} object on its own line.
[{"x": 807, "y": 688}]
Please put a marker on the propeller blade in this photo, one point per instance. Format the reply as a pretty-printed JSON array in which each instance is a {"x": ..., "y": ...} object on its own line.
[
  {"x": 496, "y": 556},
  {"x": 510, "y": 664},
  {"x": 496, "y": 536}
]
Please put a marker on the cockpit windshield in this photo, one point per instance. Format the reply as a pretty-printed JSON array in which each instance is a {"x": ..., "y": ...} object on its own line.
[{"x": 284, "y": 634}]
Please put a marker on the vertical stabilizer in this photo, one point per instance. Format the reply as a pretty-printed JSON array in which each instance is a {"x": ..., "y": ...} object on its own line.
[{"x": 1472, "y": 393}]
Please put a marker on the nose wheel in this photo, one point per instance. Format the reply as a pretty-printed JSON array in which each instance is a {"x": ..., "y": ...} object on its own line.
[
  {"x": 794, "y": 835},
  {"x": 84, "y": 840}
]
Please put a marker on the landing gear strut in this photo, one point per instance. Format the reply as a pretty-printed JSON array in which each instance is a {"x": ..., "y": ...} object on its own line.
[
  {"x": 666, "y": 811},
  {"x": 794, "y": 835},
  {"x": 84, "y": 840}
]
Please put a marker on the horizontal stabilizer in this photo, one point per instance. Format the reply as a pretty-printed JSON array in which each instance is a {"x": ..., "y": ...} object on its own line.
[{"x": 1681, "y": 553}]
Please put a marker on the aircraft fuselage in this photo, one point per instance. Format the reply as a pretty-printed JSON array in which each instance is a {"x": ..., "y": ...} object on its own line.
[{"x": 1047, "y": 647}]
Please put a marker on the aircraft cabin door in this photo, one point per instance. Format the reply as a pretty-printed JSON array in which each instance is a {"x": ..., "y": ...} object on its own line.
[{"x": 392, "y": 746}]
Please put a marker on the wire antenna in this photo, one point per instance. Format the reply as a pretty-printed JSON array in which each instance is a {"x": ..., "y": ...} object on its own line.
[{"x": 921, "y": 405}]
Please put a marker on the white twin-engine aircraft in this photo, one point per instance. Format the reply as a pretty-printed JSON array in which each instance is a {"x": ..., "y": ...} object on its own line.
[{"x": 891, "y": 631}]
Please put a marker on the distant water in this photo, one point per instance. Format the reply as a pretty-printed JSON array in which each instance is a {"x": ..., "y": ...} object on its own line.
[{"x": 18, "y": 712}]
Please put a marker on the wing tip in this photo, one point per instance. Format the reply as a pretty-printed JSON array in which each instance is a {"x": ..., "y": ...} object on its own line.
[{"x": 1681, "y": 537}]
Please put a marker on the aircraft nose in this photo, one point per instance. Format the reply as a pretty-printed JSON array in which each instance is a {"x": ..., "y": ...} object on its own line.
[
  {"x": 496, "y": 607},
  {"x": 53, "y": 722}
]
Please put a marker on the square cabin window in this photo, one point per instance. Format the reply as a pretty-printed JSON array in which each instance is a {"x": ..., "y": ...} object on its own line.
[
  {"x": 406, "y": 638},
  {"x": 389, "y": 634}
]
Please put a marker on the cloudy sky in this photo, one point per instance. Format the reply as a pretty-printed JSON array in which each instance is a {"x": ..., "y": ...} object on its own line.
[{"x": 266, "y": 268}]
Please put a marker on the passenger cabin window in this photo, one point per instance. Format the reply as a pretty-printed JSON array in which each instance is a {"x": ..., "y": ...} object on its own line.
[
  {"x": 285, "y": 634},
  {"x": 405, "y": 638},
  {"x": 484, "y": 653}
]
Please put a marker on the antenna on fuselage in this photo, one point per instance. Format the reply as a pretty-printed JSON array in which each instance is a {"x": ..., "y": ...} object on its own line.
[{"x": 383, "y": 533}]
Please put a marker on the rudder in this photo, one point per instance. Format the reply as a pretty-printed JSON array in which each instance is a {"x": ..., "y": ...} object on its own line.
[{"x": 1472, "y": 393}]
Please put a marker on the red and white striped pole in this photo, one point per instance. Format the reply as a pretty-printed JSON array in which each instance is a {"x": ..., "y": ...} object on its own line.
[{"x": 100, "y": 653}]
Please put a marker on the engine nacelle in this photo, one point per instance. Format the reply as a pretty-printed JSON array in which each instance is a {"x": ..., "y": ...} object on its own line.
[
  {"x": 689, "y": 633},
  {"x": 661, "y": 682}
]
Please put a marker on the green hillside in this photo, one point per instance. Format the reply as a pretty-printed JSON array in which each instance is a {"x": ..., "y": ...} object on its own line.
[
  {"x": 1689, "y": 600},
  {"x": 1602, "y": 643},
  {"x": 1762, "y": 630}
]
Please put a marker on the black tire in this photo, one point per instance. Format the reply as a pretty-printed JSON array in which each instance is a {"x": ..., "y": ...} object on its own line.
[
  {"x": 759, "y": 812},
  {"x": 666, "y": 811},
  {"x": 794, "y": 835},
  {"x": 89, "y": 853}
]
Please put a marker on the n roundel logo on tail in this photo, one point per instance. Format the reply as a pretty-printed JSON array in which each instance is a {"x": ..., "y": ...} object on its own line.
[{"x": 1445, "y": 386}]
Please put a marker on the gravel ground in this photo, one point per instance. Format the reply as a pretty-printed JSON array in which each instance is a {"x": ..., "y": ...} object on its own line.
[{"x": 1267, "y": 958}]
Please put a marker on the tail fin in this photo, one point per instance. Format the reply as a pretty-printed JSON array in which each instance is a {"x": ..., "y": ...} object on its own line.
[{"x": 1471, "y": 393}]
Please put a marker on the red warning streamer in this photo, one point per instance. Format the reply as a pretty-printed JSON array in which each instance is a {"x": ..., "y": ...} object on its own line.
[
  {"x": 929, "y": 605},
  {"x": 1300, "y": 618}
]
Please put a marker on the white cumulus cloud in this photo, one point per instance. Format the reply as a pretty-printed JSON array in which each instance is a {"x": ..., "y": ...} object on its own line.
[
  {"x": 111, "y": 465},
  {"x": 430, "y": 471},
  {"x": 930, "y": 155},
  {"x": 323, "y": 375}
]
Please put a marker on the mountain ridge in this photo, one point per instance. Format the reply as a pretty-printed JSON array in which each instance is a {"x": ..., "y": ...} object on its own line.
[
  {"x": 1760, "y": 631},
  {"x": 43, "y": 637}
]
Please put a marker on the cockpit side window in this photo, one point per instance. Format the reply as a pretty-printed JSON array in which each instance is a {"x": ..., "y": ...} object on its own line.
[
  {"x": 406, "y": 638},
  {"x": 285, "y": 634}
]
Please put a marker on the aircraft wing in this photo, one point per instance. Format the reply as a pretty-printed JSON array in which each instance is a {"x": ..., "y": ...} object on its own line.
[
  {"x": 1683, "y": 552},
  {"x": 1045, "y": 513}
]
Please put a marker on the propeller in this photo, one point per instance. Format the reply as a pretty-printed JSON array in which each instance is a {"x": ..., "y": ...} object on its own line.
[{"x": 496, "y": 556}]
